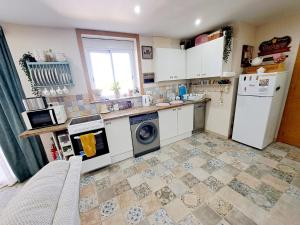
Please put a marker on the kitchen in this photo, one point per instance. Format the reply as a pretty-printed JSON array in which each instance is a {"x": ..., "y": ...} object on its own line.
[{"x": 176, "y": 91}]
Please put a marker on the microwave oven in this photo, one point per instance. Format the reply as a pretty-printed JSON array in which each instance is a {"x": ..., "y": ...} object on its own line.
[{"x": 44, "y": 117}]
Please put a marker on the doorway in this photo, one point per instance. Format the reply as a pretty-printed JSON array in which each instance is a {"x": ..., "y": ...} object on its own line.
[{"x": 289, "y": 131}]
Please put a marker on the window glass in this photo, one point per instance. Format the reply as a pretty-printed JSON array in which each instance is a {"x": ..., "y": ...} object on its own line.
[
  {"x": 102, "y": 72},
  {"x": 111, "y": 66}
]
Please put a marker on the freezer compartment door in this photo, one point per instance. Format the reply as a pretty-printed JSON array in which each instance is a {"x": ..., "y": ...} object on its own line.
[
  {"x": 251, "y": 118},
  {"x": 257, "y": 84}
]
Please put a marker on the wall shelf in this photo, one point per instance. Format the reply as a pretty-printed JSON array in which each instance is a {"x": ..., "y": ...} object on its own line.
[{"x": 50, "y": 74}]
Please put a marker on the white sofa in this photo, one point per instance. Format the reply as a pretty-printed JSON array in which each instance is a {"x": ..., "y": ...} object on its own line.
[{"x": 51, "y": 197}]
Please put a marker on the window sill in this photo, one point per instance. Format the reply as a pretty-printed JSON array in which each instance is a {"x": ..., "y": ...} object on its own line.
[{"x": 115, "y": 99}]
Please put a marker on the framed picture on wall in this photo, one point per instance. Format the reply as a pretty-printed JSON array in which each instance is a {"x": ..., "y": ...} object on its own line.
[
  {"x": 247, "y": 54},
  {"x": 147, "y": 52}
]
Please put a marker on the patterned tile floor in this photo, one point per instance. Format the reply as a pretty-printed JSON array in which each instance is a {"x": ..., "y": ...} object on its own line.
[{"x": 202, "y": 180}]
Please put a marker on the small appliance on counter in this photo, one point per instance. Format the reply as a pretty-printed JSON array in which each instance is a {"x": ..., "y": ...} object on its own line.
[
  {"x": 94, "y": 126},
  {"x": 181, "y": 91},
  {"x": 44, "y": 117},
  {"x": 145, "y": 133},
  {"x": 147, "y": 100},
  {"x": 35, "y": 103}
]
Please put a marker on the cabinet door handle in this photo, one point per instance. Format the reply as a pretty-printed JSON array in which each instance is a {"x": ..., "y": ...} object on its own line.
[
  {"x": 179, "y": 108},
  {"x": 171, "y": 77},
  {"x": 108, "y": 123},
  {"x": 174, "y": 109}
]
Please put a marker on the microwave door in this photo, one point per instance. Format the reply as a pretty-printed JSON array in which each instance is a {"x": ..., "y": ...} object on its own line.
[{"x": 41, "y": 118}]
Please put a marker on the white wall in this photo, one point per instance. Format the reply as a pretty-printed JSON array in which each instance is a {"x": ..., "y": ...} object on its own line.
[
  {"x": 219, "y": 117},
  {"x": 282, "y": 26},
  {"x": 22, "y": 39}
]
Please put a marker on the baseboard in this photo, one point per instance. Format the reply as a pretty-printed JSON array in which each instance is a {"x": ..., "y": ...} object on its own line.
[
  {"x": 176, "y": 138},
  {"x": 121, "y": 157}
]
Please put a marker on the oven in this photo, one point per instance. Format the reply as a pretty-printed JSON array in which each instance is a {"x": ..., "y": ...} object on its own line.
[
  {"x": 101, "y": 143},
  {"x": 87, "y": 125}
]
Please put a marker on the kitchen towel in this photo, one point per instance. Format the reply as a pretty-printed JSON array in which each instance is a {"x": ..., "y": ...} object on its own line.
[{"x": 88, "y": 142}]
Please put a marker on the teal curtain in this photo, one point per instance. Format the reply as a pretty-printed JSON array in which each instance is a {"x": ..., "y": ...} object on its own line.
[{"x": 25, "y": 156}]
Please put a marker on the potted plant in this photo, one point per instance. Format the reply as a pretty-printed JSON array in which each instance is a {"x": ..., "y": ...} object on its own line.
[
  {"x": 27, "y": 57},
  {"x": 116, "y": 88}
]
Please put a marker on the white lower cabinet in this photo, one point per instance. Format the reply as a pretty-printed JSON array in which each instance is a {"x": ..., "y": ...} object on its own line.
[
  {"x": 185, "y": 119},
  {"x": 167, "y": 123},
  {"x": 176, "y": 123},
  {"x": 118, "y": 135}
]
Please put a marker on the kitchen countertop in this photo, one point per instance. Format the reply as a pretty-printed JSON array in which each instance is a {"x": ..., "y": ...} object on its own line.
[
  {"x": 148, "y": 109},
  {"x": 109, "y": 116}
]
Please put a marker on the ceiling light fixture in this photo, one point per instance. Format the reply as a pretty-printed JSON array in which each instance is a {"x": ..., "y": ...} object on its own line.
[
  {"x": 137, "y": 9},
  {"x": 197, "y": 22}
]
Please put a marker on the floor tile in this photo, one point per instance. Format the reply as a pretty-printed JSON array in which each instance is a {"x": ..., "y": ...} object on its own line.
[
  {"x": 121, "y": 187},
  {"x": 190, "y": 219},
  {"x": 235, "y": 217},
  {"x": 135, "y": 180},
  {"x": 155, "y": 183},
  {"x": 213, "y": 184},
  {"x": 197, "y": 181},
  {"x": 135, "y": 215},
  {"x": 109, "y": 208},
  {"x": 106, "y": 194},
  {"x": 177, "y": 210},
  {"x": 178, "y": 187},
  {"x": 191, "y": 199},
  {"x": 206, "y": 215},
  {"x": 115, "y": 219},
  {"x": 142, "y": 191},
  {"x": 249, "y": 180},
  {"x": 220, "y": 206},
  {"x": 189, "y": 180},
  {"x": 91, "y": 217},
  {"x": 150, "y": 204},
  {"x": 103, "y": 183},
  {"x": 165, "y": 195},
  {"x": 127, "y": 199}
]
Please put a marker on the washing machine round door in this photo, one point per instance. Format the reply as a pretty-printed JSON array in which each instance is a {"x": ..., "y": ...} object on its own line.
[{"x": 146, "y": 133}]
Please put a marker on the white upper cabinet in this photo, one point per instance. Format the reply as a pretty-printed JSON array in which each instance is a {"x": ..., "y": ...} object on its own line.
[
  {"x": 169, "y": 64},
  {"x": 194, "y": 62},
  {"x": 212, "y": 58},
  {"x": 206, "y": 60},
  {"x": 201, "y": 61}
]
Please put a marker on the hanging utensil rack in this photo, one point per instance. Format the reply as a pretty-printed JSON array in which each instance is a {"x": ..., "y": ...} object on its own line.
[{"x": 50, "y": 74}]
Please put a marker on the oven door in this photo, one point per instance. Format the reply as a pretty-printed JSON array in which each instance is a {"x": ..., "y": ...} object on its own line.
[
  {"x": 42, "y": 118},
  {"x": 101, "y": 143}
]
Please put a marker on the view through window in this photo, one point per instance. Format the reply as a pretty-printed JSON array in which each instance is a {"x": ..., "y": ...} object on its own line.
[{"x": 111, "y": 66}]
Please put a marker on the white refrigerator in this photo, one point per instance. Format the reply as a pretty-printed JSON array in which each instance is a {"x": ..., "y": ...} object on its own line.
[{"x": 260, "y": 101}]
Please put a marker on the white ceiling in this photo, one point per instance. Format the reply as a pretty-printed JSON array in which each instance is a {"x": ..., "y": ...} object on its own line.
[{"x": 172, "y": 18}]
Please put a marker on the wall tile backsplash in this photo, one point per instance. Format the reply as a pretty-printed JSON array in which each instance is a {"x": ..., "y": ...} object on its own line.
[{"x": 79, "y": 105}]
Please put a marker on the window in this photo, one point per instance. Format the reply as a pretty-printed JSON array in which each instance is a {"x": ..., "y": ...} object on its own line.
[{"x": 111, "y": 66}]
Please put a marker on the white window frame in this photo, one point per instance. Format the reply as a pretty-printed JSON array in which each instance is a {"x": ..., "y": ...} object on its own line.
[{"x": 132, "y": 52}]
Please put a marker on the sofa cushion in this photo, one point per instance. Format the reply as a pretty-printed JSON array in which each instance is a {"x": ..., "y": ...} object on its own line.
[
  {"x": 36, "y": 203},
  {"x": 67, "y": 212}
]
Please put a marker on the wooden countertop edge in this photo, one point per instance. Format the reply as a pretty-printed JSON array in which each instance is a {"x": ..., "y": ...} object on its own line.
[{"x": 109, "y": 116}]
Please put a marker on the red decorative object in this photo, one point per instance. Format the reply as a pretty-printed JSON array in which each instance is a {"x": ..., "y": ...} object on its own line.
[
  {"x": 53, "y": 152},
  {"x": 275, "y": 45}
]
